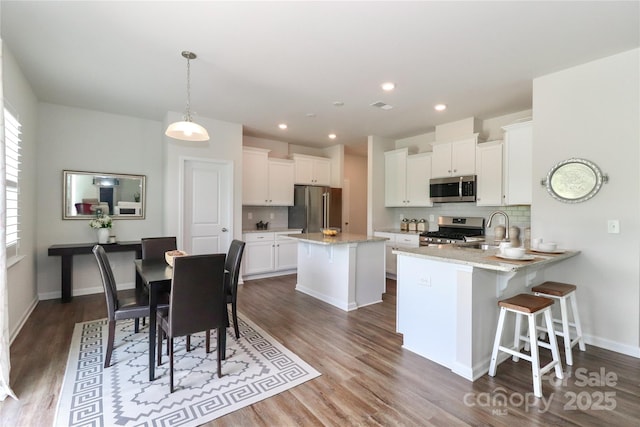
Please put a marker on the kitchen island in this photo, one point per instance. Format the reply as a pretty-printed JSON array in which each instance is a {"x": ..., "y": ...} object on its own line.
[
  {"x": 346, "y": 270},
  {"x": 447, "y": 301}
]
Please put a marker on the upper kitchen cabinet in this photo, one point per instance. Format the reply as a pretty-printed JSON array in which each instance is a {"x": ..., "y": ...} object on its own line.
[
  {"x": 454, "y": 158},
  {"x": 407, "y": 178},
  {"x": 265, "y": 181},
  {"x": 490, "y": 175},
  {"x": 311, "y": 170},
  {"x": 518, "y": 152}
]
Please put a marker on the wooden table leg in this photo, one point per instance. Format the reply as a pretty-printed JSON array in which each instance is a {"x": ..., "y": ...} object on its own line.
[
  {"x": 153, "y": 305},
  {"x": 67, "y": 277}
]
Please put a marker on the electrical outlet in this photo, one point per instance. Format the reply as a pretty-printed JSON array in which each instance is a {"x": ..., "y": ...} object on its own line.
[
  {"x": 432, "y": 218},
  {"x": 249, "y": 215},
  {"x": 425, "y": 281},
  {"x": 271, "y": 216},
  {"x": 613, "y": 226}
]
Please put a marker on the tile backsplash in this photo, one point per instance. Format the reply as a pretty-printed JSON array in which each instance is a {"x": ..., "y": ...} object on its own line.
[{"x": 276, "y": 216}]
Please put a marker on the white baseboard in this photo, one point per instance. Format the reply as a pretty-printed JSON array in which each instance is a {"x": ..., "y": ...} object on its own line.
[
  {"x": 23, "y": 320},
  {"x": 628, "y": 350},
  {"x": 269, "y": 274},
  {"x": 84, "y": 291}
]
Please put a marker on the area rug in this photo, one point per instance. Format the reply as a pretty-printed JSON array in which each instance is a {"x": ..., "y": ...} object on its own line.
[{"x": 256, "y": 367}]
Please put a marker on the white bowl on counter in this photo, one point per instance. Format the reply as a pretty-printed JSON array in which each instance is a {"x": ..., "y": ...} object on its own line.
[
  {"x": 547, "y": 246},
  {"x": 514, "y": 252}
]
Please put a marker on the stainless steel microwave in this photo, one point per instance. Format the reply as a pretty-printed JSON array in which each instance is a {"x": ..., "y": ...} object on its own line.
[{"x": 453, "y": 189}]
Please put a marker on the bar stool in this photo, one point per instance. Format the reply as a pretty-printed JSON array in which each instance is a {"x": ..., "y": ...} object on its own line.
[
  {"x": 530, "y": 306},
  {"x": 564, "y": 292}
]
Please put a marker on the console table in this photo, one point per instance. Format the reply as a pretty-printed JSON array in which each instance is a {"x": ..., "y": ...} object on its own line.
[{"x": 67, "y": 251}]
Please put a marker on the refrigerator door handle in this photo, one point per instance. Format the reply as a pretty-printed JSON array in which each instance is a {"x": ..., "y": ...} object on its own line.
[{"x": 325, "y": 210}]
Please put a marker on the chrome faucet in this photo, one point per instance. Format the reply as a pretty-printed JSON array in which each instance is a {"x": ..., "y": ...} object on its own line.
[{"x": 506, "y": 222}]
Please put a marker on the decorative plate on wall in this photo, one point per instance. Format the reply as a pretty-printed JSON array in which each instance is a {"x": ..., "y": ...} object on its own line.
[{"x": 574, "y": 180}]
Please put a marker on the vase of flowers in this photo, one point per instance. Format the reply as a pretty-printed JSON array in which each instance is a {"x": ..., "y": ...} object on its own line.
[{"x": 101, "y": 224}]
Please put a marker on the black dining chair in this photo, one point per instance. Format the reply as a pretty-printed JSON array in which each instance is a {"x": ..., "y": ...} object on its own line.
[
  {"x": 232, "y": 273},
  {"x": 155, "y": 247},
  {"x": 118, "y": 308},
  {"x": 197, "y": 303}
]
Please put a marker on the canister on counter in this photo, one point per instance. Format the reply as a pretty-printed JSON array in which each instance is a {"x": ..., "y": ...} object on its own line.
[
  {"x": 413, "y": 225},
  {"x": 422, "y": 225},
  {"x": 404, "y": 225}
]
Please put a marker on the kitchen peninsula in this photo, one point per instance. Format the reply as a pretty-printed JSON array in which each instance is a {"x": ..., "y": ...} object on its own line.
[
  {"x": 346, "y": 270},
  {"x": 447, "y": 300}
]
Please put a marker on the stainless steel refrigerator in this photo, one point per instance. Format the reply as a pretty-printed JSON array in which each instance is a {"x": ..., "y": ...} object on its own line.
[{"x": 315, "y": 207}]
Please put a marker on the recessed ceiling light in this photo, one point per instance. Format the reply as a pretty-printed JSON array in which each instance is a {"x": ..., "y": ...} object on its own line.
[
  {"x": 440, "y": 107},
  {"x": 282, "y": 125},
  {"x": 387, "y": 86},
  {"x": 332, "y": 136}
]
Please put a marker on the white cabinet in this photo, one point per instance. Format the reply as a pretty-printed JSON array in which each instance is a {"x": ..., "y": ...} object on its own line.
[
  {"x": 286, "y": 253},
  {"x": 407, "y": 178},
  {"x": 311, "y": 170},
  {"x": 489, "y": 171},
  {"x": 396, "y": 240},
  {"x": 269, "y": 253},
  {"x": 280, "y": 182},
  {"x": 518, "y": 151},
  {"x": 265, "y": 181},
  {"x": 454, "y": 158}
]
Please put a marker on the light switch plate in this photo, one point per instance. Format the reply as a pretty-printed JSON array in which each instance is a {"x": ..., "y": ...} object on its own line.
[
  {"x": 249, "y": 215},
  {"x": 613, "y": 226}
]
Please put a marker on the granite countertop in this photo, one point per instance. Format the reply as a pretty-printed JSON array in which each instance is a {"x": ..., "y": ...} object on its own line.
[
  {"x": 397, "y": 231},
  {"x": 482, "y": 258},
  {"x": 272, "y": 230},
  {"x": 339, "y": 239}
]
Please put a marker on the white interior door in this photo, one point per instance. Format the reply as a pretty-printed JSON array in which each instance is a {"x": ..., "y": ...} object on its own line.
[{"x": 207, "y": 206}]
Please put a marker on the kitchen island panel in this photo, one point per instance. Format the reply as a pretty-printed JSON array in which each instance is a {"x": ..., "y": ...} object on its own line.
[
  {"x": 447, "y": 308},
  {"x": 345, "y": 275}
]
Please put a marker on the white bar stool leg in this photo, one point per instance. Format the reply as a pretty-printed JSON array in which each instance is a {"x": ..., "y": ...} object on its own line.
[
  {"x": 555, "y": 353},
  {"x": 496, "y": 343},
  {"x": 576, "y": 321},
  {"x": 516, "y": 336},
  {"x": 566, "y": 332},
  {"x": 535, "y": 357}
]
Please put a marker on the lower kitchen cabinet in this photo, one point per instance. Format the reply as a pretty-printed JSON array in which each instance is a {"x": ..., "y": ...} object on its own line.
[
  {"x": 396, "y": 240},
  {"x": 269, "y": 254}
]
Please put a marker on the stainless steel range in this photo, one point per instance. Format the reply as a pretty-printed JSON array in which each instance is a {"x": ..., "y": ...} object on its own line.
[{"x": 452, "y": 229}]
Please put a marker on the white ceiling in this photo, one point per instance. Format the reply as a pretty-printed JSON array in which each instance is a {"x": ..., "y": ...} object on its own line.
[{"x": 263, "y": 63}]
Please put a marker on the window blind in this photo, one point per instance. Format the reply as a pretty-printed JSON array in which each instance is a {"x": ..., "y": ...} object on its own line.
[{"x": 12, "y": 131}]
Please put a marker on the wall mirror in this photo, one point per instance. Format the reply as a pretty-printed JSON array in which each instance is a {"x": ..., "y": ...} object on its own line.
[
  {"x": 574, "y": 180},
  {"x": 87, "y": 194}
]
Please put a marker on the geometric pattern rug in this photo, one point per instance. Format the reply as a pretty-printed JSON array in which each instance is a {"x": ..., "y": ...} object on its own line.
[{"x": 257, "y": 367}]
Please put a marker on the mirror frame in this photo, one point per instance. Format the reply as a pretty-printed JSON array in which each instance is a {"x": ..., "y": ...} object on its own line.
[
  {"x": 574, "y": 180},
  {"x": 67, "y": 205}
]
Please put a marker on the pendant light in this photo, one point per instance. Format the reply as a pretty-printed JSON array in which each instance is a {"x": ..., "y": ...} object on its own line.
[{"x": 187, "y": 130}]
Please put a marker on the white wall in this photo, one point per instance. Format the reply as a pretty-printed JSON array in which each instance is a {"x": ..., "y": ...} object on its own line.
[
  {"x": 21, "y": 277},
  {"x": 225, "y": 145},
  {"x": 77, "y": 139},
  {"x": 377, "y": 215},
  {"x": 355, "y": 173},
  {"x": 592, "y": 111}
]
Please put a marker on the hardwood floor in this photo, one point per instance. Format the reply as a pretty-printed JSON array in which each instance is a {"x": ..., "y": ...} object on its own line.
[{"x": 367, "y": 378}]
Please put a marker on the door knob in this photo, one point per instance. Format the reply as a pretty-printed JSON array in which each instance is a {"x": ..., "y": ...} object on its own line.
[{"x": 224, "y": 230}]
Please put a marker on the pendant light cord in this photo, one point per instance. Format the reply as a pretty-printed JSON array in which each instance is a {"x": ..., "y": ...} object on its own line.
[{"x": 188, "y": 112}]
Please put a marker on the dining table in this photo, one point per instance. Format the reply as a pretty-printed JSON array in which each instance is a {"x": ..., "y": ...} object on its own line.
[{"x": 156, "y": 275}]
